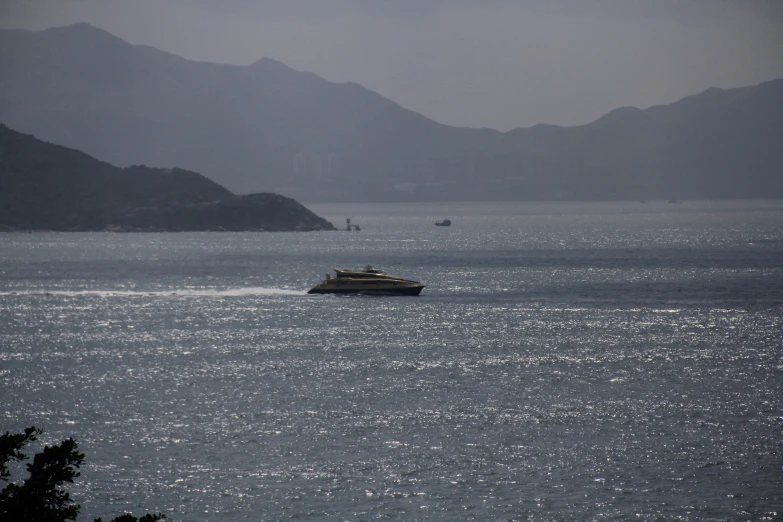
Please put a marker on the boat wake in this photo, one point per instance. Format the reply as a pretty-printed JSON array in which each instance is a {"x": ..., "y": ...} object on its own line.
[{"x": 186, "y": 292}]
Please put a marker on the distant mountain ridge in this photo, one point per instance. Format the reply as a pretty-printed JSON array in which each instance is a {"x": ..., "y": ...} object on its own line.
[
  {"x": 267, "y": 127},
  {"x": 46, "y": 186}
]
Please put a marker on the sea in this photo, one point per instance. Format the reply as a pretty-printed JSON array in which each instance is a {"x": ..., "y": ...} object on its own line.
[{"x": 566, "y": 361}]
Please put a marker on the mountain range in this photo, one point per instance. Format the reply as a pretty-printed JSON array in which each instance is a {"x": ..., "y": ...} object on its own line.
[
  {"x": 50, "y": 187},
  {"x": 267, "y": 127}
]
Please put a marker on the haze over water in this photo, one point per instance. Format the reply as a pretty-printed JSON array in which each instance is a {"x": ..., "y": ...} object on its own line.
[{"x": 566, "y": 361}]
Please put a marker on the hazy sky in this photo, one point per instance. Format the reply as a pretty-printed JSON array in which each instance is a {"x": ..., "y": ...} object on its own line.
[{"x": 491, "y": 63}]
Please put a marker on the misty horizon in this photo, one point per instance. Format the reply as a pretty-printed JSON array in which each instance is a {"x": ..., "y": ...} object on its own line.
[
  {"x": 267, "y": 127},
  {"x": 270, "y": 59},
  {"x": 502, "y": 65}
]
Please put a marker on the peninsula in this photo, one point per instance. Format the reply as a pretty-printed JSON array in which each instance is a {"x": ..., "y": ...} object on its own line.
[{"x": 49, "y": 187}]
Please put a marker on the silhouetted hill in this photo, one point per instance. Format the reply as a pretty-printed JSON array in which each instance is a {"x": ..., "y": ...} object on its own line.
[
  {"x": 45, "y": 186},
  {"x": 268, "y": 127}
]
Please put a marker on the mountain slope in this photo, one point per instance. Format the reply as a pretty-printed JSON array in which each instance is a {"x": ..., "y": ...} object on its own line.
[
  {"x": 268, "y": 127},
  {"x": 45, "y": 186}
]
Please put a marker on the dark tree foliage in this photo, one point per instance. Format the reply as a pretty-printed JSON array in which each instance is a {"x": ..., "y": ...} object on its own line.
[
  {"x": 11, "y": 445},
  {"x": 40, "y": 497},
  {"x": 127, "y": 517}
]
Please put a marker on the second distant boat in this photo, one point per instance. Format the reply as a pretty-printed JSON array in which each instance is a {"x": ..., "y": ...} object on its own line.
[{"x": 444, "y": 223}]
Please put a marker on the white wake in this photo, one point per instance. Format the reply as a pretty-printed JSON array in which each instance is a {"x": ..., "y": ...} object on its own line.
[{"x": 185, "y": 292}]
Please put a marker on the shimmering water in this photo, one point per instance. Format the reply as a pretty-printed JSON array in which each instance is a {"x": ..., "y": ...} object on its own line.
[{"x": 566, "y": 361}]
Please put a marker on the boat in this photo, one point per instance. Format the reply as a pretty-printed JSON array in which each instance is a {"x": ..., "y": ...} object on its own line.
[
  {"x": 444, "y": 223},
  {"x": 349, "y": 226},
  {"x": 368, "y": 281}
]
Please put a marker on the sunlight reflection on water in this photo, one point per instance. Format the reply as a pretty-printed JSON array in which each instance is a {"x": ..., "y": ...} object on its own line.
[{"x": 565, "y": 364}]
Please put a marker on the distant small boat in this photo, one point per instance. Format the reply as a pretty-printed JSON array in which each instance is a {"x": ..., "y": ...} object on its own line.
[
  {"x": 673, "y": 201},
  {"x": 444, "y": 223},
  {"x": 349, "y": 226}
]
